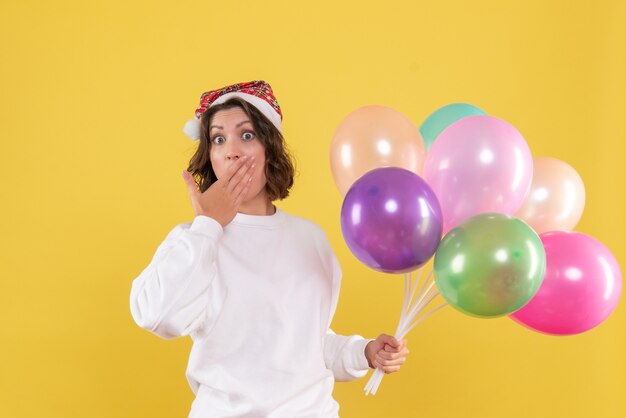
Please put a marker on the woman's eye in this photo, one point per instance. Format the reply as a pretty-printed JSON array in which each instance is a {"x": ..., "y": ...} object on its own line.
[
  {"x": 218, "y": 139},
  {"x": 248, "y": 136}
]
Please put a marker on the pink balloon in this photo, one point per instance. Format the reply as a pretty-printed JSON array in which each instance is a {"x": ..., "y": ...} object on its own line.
[
  {"x": 580, "y": 289},
  {"x": 478, "y": 164}
]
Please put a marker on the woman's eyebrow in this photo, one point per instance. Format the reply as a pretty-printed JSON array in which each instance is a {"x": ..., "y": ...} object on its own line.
[{"x": 221, "y": 127}]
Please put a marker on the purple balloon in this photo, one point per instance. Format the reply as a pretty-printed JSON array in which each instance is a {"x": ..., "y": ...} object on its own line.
[{"x": 391, "y": 220}]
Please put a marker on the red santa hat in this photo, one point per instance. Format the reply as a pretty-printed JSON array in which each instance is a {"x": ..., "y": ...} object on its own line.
[{"x": 258, "y": 93}]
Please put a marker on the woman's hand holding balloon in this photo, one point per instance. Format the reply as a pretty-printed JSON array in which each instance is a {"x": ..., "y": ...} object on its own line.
[{"x": 386, "y": 353}]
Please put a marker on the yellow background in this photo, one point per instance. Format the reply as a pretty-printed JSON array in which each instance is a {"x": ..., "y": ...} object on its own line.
[{"x": 93, "y": 99}]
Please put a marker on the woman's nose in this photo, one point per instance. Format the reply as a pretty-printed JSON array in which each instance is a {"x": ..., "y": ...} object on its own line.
[
  {"x": 234, "y": 156},
  {"x": 233, "y": 151}
]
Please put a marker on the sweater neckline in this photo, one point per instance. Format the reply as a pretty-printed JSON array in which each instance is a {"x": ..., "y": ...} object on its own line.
[{"x": 260, "y": 220}]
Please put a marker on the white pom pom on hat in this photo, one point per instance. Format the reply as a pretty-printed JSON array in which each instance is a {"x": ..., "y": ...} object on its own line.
[
  {"x": 258, "y": 93},
  {"x": 192, "y": 128}
]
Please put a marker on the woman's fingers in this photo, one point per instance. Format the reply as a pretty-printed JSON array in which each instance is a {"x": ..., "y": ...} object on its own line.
[
  {"x": 240, "y": 180},
  {"x": 190, "y": 182},
  {"x": 388, "y": 365},
  {"x": 391, "y": 348},
  {"x": 223, "y": 198},
  {"x": 390, "y": 359},
  {"x": 234, "y": 167},
  {"x": 395, "y": 362},
  {"x": 243, "y": 189},
  {"x": 239, "y": 176},
  {"x": 391, "y": 356}
]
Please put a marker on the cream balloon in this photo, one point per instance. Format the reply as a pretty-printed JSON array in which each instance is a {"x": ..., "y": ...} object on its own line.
[
  {"x": 372, "y": 137},
  {"x": 556, "y": 198}
]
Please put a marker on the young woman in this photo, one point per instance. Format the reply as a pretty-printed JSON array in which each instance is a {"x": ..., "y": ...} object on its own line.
[{"x": 256, "y": 288}]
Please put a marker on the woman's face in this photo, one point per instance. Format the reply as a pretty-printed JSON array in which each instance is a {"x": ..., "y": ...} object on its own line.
[{"x": 232, "y": 136}]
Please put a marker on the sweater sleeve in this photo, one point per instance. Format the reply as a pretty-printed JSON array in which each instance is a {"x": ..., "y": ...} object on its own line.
[
  {"x": 343, "y": 355},
  {"x": 177, "y": 292}
]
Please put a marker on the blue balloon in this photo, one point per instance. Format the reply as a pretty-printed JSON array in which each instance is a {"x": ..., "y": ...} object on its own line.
[
  {"x": 443, "y": 117},
  {"x": 391, "y": 220}
]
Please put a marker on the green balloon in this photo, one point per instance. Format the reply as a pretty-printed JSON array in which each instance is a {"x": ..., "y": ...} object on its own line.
[
  {"x": 491, "y": 265},
  {"x": 443, "y": 117}
]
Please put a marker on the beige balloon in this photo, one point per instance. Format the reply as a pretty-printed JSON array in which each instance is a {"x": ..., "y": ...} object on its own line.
[
  {"x": 372, "y": 137},
  {"x": 556, "y": 199}
]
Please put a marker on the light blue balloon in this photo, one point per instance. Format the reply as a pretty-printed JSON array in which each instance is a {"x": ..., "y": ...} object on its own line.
[{"x": 443, "y": 117}]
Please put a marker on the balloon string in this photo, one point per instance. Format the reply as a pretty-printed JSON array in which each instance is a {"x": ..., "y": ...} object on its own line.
[
  {"x": 414, "y": 288},
  {"x": 430, "y": 295},
  {"x": 377, "y": 377},
  {"x": 408, "y": 315},
  {"x": 418, "y": 308},
  {"x": 414, "y": 310},
  {"x": 409, "y": 292},
  {"x": 421, "y": 318},
  {"x": 410, "y": 312},
  {"x": 430, "y": 274},
  {"x": 405, "y": 301}
]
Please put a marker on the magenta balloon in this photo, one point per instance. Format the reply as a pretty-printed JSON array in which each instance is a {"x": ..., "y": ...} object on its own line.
[
  {"x": 391, "y": 220},
  {"x": 580, "y": 289},
  {"x": 478, "y": 164}
]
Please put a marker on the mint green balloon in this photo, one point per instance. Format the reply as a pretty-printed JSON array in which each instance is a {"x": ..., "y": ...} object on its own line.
[
  {"x": 491, "y": 265},
  {"x": 441, "y": 118}
]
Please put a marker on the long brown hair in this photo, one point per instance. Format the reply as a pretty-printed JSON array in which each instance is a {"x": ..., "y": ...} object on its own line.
[{"x": 279, "y": 165}]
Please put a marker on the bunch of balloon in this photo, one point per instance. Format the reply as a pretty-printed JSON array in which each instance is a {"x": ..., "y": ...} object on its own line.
[
  {"x": 583, "y": 281},
  {"x": 480, "y": 164},
  {"x": 490, "y": 263},
  {"x": 390, "y": 218},
  {"x": 481, "y": 187}
]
